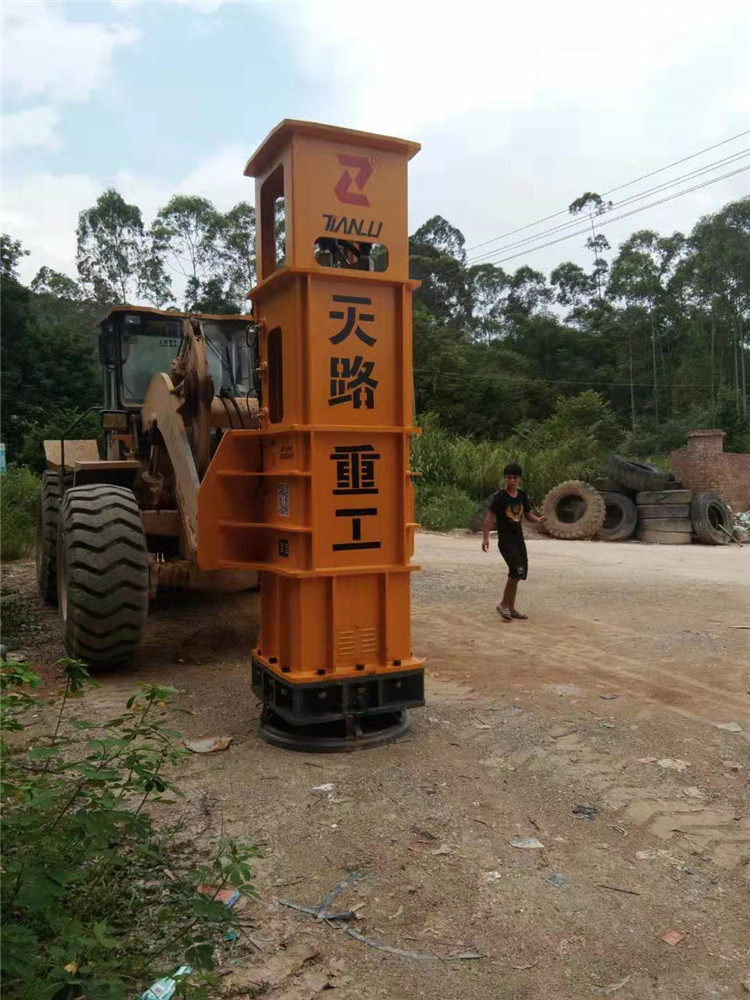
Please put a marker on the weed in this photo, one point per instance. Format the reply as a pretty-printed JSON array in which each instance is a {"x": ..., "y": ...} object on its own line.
[
  {"x": 97, "y": 902},
  {"x": 18, "y": 492}
]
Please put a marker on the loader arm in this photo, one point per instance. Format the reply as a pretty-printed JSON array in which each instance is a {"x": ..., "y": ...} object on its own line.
[{"x": 162, "y": 411}]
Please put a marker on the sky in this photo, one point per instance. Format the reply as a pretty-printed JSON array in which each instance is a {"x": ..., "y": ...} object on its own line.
[{"x": 519, "y": 107}]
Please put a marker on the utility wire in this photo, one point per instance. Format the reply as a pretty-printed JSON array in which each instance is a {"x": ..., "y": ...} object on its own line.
[
  {"x": 491, "y": 377},
  {"x": 625, "y": 215},
  {"x": 619, "y": 187},
  {"x": 602, "y": 220},
  {"x": 691, "y": 175}
]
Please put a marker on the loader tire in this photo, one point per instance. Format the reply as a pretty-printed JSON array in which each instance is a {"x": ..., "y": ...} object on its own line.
[
  {"x": 663, "y": 537},
  {"x": 574, "y": 510},
  {"x": 638, "y": 476},
  {"x": 102, "y": 574},
  {"x": 45, "y": 538},
  {"x": 620, "y": 518},
  {"x": 707, "y": 512},
  {"x": 664, "y": 496}
]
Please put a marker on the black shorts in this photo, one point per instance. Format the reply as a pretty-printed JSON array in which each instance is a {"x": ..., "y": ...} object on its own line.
[{"x": 513, "y": 551}]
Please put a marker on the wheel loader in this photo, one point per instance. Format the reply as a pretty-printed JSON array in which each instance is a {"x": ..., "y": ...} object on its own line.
[{"x": 112, "y": 530}]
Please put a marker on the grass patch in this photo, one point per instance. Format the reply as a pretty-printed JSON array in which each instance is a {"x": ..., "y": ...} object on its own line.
[{"x": 19, "y": 487}]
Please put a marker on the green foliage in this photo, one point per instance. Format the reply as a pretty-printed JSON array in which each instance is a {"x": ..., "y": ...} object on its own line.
[
  {"x": 117, "y": 262},
  {"x": 48, "y": 361},
  {"x": 31, "y": 452},
  {"x": 97, "y": 901},
  {"x": 443, "y": 508},
  {"x": 457, "y": 472},
  {"x": 19, "y": 487},
  {"x": 11, "y": 253}
]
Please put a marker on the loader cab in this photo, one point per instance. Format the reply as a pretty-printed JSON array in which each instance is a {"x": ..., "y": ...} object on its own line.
[{"x": 136, "y": 343}]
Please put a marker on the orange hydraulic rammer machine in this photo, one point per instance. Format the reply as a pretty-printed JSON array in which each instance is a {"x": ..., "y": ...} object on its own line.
[{"x": 320, "y": 499}]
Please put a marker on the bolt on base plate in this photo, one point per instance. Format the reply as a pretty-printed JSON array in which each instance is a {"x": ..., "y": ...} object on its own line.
[{"x": 355, "y": 732}]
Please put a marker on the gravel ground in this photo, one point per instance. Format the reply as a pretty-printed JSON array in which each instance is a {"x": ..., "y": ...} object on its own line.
[{"x": 608, "y": 699}]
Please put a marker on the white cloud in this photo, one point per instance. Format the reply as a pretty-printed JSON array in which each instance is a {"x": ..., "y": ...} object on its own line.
[
  {"x": 520, "y": 108},
  {"x": 32, "y": 129},
  {"x": 199, "y": 6},
  {"x": 41, "y": 209},
  {"x": 406, "y": 64},
  {"x": 46, "y": 55}
]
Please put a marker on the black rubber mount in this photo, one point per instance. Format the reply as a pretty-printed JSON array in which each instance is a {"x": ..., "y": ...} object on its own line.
[{"x": 355, "y": 732}]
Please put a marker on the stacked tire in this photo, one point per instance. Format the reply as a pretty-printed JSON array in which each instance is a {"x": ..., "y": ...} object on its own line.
[
  {"x": 664, "y": 517},
  {"x": 643, "y": 499}
]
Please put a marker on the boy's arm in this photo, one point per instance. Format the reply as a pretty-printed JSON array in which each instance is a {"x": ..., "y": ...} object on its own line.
[
  {"x": 534, "y": 518},
  {"x": 489, "y": 517}
]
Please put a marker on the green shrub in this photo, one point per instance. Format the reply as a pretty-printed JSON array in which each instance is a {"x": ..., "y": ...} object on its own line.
[
  {"x": 97, "y": 902},
  {"x": 32, "y": 447},
  {"x": 444, "y": 507},
  {"x": 19, "y": 487}
]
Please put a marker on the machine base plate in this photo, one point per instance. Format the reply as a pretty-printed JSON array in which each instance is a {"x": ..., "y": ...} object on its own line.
[{"x": 355, "y": 732}]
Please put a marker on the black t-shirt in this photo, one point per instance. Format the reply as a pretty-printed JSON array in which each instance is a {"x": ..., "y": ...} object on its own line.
[{"x": 509, "y": 512}]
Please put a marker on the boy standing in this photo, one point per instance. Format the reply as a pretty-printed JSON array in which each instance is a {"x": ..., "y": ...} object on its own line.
[{"x": 508, "y": 506}]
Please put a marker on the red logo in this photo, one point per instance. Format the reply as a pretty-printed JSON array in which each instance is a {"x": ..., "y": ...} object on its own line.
[{"x": 364, "y": 169}]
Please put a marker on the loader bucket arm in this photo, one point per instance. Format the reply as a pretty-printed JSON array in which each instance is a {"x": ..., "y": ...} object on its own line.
[{"x": 162, "y": 411}]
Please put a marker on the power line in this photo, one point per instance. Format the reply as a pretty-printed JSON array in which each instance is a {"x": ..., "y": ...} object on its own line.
[
  {"x": 625, "y": 215},
  {"x": 459, "y": 376},
  {"x": 601, "y": 221},
  {"x": 619, "y": 187},
  {"x": 699, "y": 172}
]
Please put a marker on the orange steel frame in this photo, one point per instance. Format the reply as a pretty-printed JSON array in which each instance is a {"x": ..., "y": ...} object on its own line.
[{"x": 320, "y": 499}]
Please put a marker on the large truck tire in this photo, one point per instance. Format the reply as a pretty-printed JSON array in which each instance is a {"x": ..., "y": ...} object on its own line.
[
  {"x": 639, "y": 476},
  {"x": 708, "y": 512},
  {"x": 102, "y": 574},
  {"x": 647, "y": 511},
  {"x": 664, "y": 496},
  {"x": 664, "y": 537},
  {"x": 679, "y": 524},
  {"x": 607, "y": 485},
  {"x": 620, "y": 518},
  {"x": 45, "y": 538},
  {"x": 574, "y": 510}
]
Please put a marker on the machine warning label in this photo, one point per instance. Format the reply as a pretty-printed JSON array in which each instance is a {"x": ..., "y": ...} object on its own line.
[{"x": 283, "y": 499}]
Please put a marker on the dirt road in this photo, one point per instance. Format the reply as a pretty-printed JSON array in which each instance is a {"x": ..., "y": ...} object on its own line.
[{"x": 608, "y": 697}]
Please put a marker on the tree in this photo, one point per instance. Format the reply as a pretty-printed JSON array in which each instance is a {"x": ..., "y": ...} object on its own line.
[
  {"x": 115, "y": 262},
  {"x": 594, "y": 205},
  {"x": 11, "y": 253},
  {"x": 46, "y": 356},
  {"x": 574, "y": 286},
  {"x": 238, "y": 249},
  {"x": 186, "y": 232},
  {"x": 50, "y": 282}
]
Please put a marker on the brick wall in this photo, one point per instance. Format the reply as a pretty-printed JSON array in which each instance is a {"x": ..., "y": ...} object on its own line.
[{"x": 704, "y": 465}]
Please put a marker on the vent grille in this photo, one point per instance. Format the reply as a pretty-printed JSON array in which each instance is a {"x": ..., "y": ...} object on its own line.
[
  {"x": 345, "y": 645},
  {"x": 369, "y": 640}
]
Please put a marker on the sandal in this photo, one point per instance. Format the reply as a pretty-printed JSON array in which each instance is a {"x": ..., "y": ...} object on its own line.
[
  {"x": 504, "y": 613},
  {"x": 519, "y": 616}
]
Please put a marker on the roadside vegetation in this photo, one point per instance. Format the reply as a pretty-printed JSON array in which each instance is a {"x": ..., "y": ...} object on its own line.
[{"x": 104, "y": 889}]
